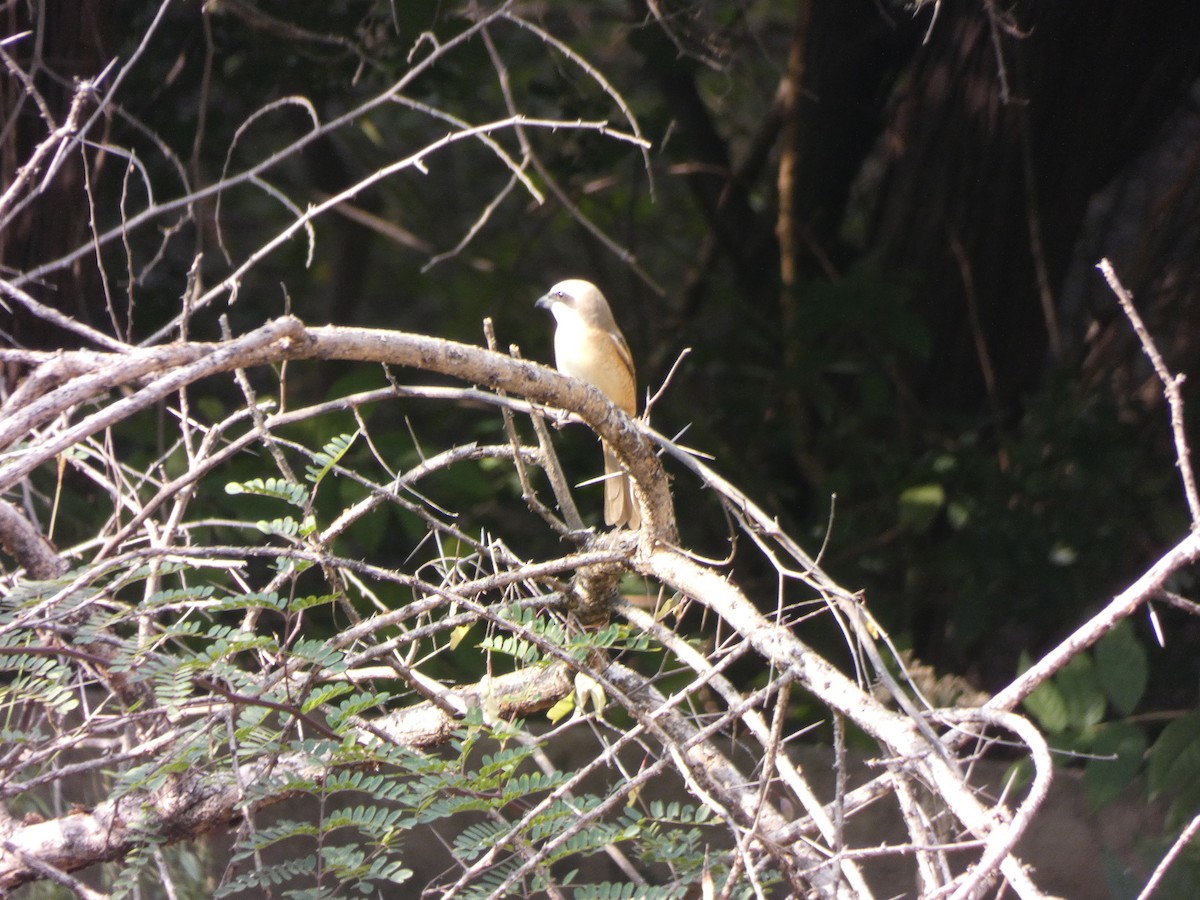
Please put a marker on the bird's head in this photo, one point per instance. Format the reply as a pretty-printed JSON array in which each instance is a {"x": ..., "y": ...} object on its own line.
[{"x": 576, "y": 297}]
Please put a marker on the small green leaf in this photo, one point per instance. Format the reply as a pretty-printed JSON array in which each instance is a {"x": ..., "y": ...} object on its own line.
[
  {"x": 329, "y": 456},
  {"x": 1062, "y": 554},
  {"x": 1105, "y": 779},
  {"x": 1182, "y": 810},
  {"x": 285, "y": 526},
  {"x": 1081, "y": 692},
  {"x": 1047, "y": 705},
  {"x": 324, "y": 694},
  {"x": 1175, "y": 756},
  {"x": 563, "y": 707},
  {"x": 309, "y": 602},
  {"x": 920, "y": 505},
  {"x": 1122, "y": 668},
  {"x": 944, "y": 462},
  {"x": 958, "y": 514},
  {"x": 295, "y": 494}
]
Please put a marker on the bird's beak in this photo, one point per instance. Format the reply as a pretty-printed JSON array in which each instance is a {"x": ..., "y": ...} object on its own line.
[{"x": 544, "y": 302}]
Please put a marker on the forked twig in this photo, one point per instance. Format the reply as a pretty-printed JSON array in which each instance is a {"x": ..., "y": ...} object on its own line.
[{"x": 1170, "y": 383}]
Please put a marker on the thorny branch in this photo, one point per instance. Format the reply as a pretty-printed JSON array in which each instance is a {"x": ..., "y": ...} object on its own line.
[{"x": 652, "y": 554}]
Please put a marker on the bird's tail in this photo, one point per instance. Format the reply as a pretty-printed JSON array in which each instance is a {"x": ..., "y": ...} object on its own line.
[{"x": 619, "y": 508}]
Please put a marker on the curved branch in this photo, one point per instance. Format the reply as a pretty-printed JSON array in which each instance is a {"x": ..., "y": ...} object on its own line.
[
  {"x": 172, "y": 368},
  {"x": 778, "y": 645},
  {"x": 27, "y": 545}
]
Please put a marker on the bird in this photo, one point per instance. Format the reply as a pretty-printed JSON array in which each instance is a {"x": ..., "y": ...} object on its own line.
[{"x": 589, "y": 346}]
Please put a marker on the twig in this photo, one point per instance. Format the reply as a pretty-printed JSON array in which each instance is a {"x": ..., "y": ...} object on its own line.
[
  {"x": 54, "y": 873},
  {"x": 27, "y": 545},
  {"x": 650, "y": 401},
  {"x": 1179, "y": 602},
  {"x": 510, "y": 104},
  {"x": 415, "y": 160},
  {"x": 54, "y": 317},
  {"x": 554, "y": 471},
  {"x": 1147, "y": 586},
  {"x": 599, "y": 78},
  {"x": 756, "y": 724},
  {"x": 257, "y": 169},
  {"x": 626, "y": 256},
  {"x": 528, "y": 494},
  {"x": 1181, "y": 842},
  {"x": 52, "y": 144},
  {"x": 1170, "y": 385},
  {"x": 1002, "y": 840}
]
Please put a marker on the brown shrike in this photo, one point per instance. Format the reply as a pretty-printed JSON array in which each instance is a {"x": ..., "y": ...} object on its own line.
[{"x": 589, "y": 346}]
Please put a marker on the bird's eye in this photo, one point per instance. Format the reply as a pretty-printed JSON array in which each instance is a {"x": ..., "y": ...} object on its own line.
[{"x": 560, "y": 295}]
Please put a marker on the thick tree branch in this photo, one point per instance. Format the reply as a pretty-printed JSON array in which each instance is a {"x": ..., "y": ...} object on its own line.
[
  {"x": 168, "y": 369},
  {"x": 197, "y": 801},
  {"x": 26, "y": 544}
]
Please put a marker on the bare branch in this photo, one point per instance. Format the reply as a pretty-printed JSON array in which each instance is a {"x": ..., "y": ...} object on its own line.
[{"x": 1171, "y": 384}]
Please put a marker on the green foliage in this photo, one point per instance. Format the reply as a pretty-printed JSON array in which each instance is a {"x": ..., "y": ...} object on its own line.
[
  {"x": 920, "y": 506},
  {"x": 223, "y": 642},
  {"x": 360, "y": 845},
  {"x": 541, "y": 631},
  {"x": 214, "y": 640},
  {"x": 1174, "y": 766},
  {"x": 1087, "y": 708},
  {"x": 628, "y": 891},
  {"x": 1074, "y": 708},
  {"x": 139, "y": 865},
  {"x": 1119, "y": 756},
  {"x": 984, "y": 528},
  {"x": 328, "y": 457},
  {"x": 295, "y": 494},
  {"x": 43, "y": 681},
  {"x": 269, "y": 877},
  {"x": 1122, "y": 667}
]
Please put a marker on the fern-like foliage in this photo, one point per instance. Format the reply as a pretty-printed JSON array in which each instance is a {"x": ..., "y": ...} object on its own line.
[
  {"x": 280, "y": 489},
  {"x": 238, "y": 671},
  {"x": 329, "y": 456}
]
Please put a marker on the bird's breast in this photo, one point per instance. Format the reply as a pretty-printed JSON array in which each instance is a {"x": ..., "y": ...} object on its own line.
[{"x": 592, "y": 355}]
